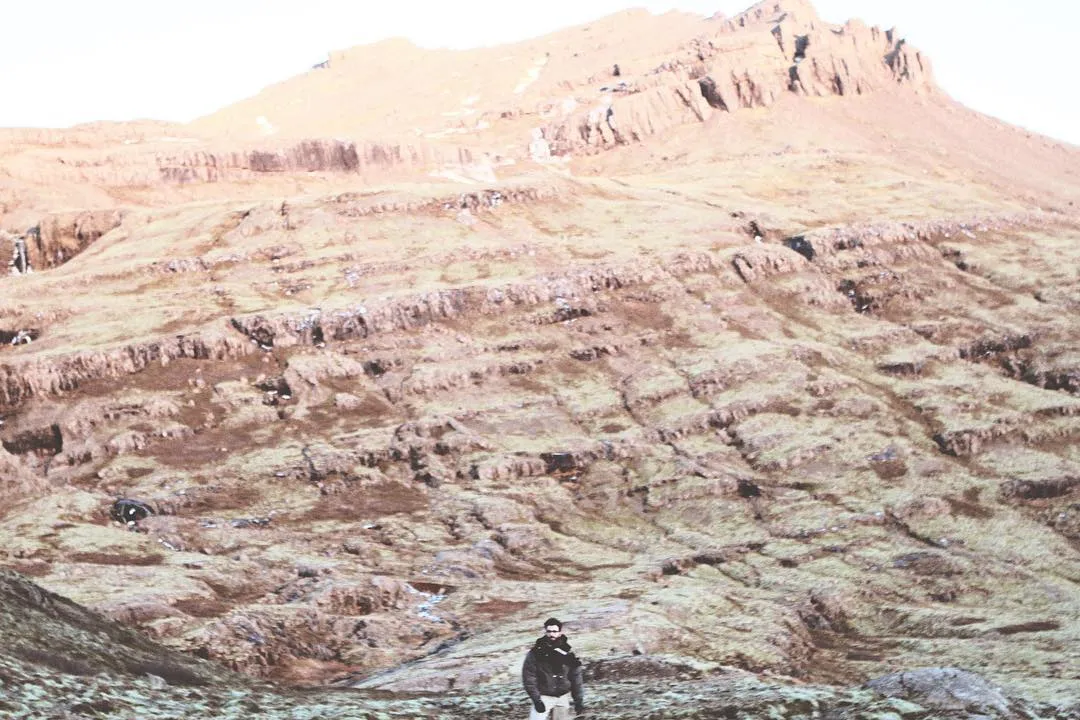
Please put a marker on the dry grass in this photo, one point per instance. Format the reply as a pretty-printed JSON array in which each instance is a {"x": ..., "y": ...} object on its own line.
[{"x": 798, "y": 449}]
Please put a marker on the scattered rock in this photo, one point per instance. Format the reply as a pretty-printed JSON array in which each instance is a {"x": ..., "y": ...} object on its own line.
[{"x": 946, "y": 689}]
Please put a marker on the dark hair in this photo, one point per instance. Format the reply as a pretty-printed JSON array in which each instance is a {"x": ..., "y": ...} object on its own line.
[{"x": 553, "y": 621}]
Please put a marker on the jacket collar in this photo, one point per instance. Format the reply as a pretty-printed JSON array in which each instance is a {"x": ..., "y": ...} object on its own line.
[{"x": 553, "y": 647}]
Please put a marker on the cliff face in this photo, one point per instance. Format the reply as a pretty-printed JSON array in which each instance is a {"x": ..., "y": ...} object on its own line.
[
  {"x": 54, "y": 239},
  {"x": 195, "y": 161},
  {"x": 773, "y": 50},
  {"x": 58, "y": 237},
  {"x": 326, "y": 156}
]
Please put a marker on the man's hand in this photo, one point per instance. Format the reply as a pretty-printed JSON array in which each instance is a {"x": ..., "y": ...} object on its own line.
[{"x": 539, "y": 705}]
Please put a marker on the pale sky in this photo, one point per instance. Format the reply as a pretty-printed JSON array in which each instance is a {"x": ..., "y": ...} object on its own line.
[{"x": 64, "y": 62}]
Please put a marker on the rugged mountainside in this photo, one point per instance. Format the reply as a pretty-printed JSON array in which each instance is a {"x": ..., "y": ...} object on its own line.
[
  {"x": 755, "y": 361},
  {"x": 61, "y": 661}
]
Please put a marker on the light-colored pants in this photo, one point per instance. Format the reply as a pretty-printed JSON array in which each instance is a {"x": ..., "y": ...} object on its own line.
[{"x": 557, "y": 708}]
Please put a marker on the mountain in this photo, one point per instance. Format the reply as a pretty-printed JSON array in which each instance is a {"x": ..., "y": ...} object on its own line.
[{"x": 754, "y": 359}]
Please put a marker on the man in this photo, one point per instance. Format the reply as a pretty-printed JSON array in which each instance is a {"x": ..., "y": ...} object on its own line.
[{"x": 552, "y": 676}]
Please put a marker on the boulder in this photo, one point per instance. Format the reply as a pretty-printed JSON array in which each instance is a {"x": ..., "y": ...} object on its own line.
[{"x": 945, "y": 689}]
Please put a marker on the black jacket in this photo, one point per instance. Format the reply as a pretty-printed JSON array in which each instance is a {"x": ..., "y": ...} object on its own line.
[{"x": 551, "y": 668}]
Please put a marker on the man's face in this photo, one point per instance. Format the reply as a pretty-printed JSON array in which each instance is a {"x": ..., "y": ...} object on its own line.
[{"x": 553, "y": 632}]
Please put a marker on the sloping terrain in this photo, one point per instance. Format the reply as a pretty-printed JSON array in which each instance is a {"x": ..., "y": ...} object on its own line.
[
  {"x": 61, "y": 661},
  {"x": 782, "y": 388}
]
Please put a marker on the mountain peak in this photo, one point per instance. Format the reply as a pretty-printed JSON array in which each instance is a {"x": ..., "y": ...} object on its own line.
[
  {"x": 773, "y": 11},
  {"x": 642, "y": 73}
]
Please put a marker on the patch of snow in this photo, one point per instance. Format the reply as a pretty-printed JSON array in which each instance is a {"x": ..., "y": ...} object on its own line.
[
  {"x": 531, "y": 75},
  {"x": 425, "y": 608},
  {"x": 468, "y": 174},
  {"x": 265, "y": 125},
  {"x": 539, "y": 149},
  {"x": 452, "y": 176},
  {"x": 447, "y": 131}
]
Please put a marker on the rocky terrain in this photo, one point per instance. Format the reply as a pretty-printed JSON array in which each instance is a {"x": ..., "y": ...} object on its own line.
[
  {"x": 734, "y": 342},
  {"x": 62, "y": 661}
]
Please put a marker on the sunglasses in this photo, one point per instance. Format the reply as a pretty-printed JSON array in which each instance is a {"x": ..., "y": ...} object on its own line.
[{"x": 552, "y": 632}]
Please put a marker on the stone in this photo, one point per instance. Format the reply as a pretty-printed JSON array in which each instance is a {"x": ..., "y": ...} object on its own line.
[{"x": 947, "y": 689}]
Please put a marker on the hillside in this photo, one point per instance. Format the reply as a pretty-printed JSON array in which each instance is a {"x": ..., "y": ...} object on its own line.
[{"x": 756, "y": 362}]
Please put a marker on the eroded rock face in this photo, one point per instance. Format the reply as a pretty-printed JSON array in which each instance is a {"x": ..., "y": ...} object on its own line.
[
  {"x": 773, "y": 50},
  {"x": 332, "y": 156},
  {"x": 59, "y": 237},
  {"x": 197, "y": 162}
]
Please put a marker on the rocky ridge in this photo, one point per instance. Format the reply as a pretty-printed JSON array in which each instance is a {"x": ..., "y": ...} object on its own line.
[
  {"x": 751, "y": 61},
  {"x": 699, "y": 68}
]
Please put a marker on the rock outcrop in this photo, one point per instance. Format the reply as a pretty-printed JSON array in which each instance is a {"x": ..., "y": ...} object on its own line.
[
  {"x": 58, "y": 237},
  {"x": 195, "y": 161},
  {"x": 951, "y": 692},
  {"x": 777, "y": 48}
]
